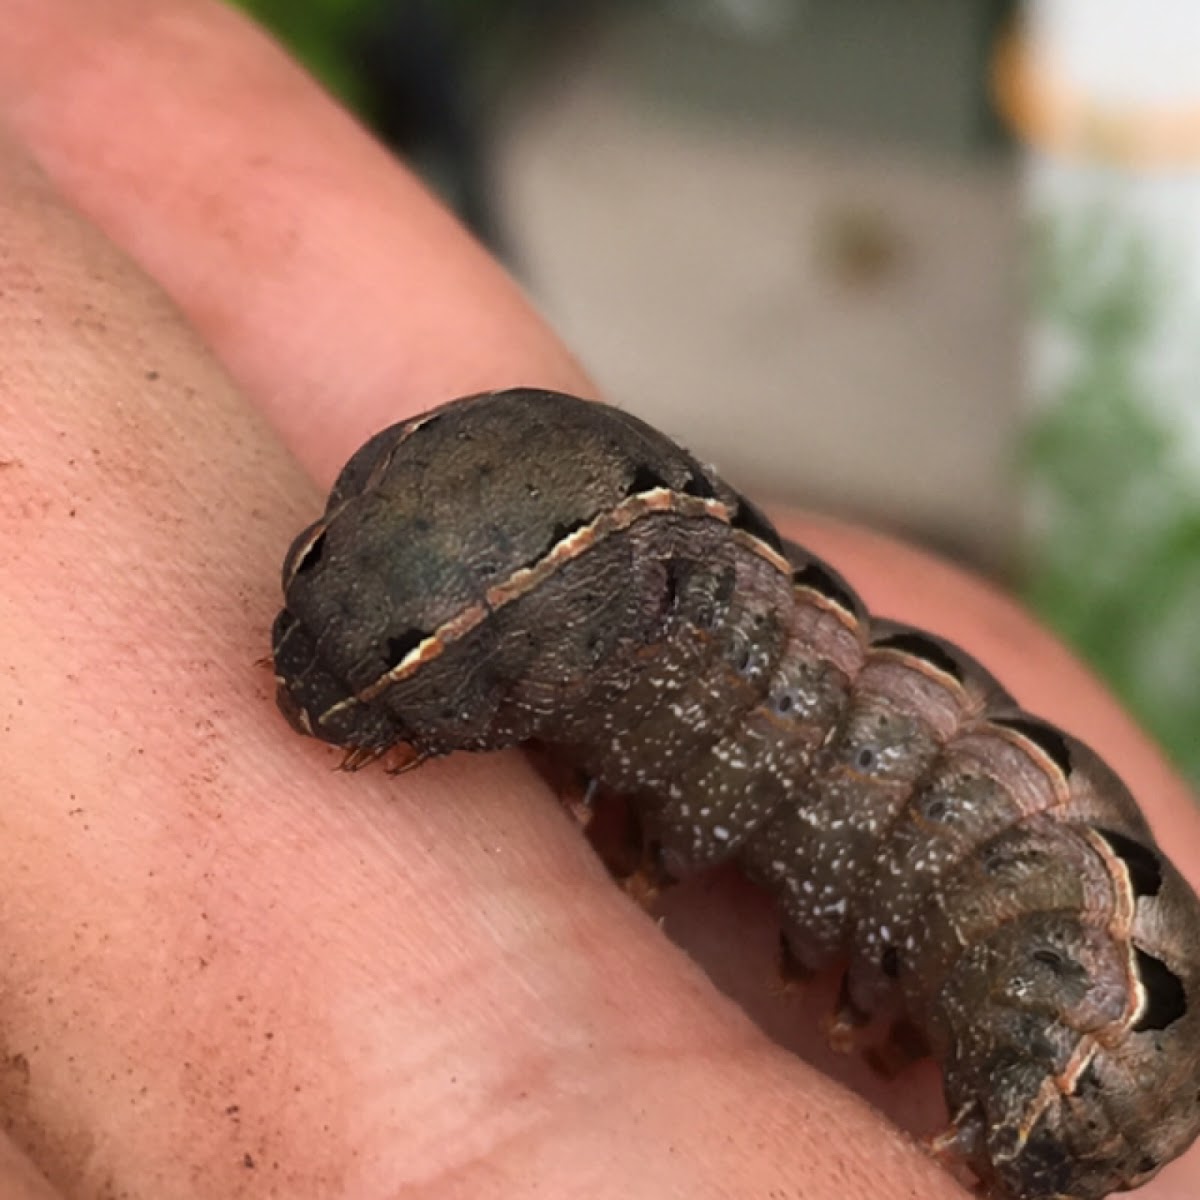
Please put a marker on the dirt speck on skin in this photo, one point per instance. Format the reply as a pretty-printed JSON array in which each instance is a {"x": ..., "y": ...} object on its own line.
[{"x": 16, "y": 1070}]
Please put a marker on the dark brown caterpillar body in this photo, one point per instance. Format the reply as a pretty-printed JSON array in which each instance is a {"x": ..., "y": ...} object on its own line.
[{"x": 527, "y": 564}]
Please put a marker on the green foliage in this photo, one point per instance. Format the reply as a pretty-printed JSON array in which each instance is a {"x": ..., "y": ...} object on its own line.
[
  {"x": 319, "y": 34},
  {"x": 1115, "y": 563},
  {"x": 495, "y": 39}
]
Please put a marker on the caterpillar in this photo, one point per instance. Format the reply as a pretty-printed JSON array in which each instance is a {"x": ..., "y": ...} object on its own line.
[{"x": 528, "y": 565}]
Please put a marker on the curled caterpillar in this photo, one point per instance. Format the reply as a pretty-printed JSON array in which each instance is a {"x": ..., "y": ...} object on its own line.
[{"x": 525, "y": 565}]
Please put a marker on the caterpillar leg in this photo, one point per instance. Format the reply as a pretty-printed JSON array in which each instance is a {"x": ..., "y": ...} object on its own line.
[
  {"x": 403, "y": 758},
  {"x": 576, "y": 792},
  {"x": 649, "y": 878},
  {"x": 845, "y": 1025},
  {"x": 612, "y": 826},
  {"x": 959, "y": 1144},
  {"x": 793, "y": 971},
  {"x": 904, "y": 1045},
  {"x": 582, "y": 805},
  {"x": 630, "y": 855},
  {"x": 355, "y": 758}
]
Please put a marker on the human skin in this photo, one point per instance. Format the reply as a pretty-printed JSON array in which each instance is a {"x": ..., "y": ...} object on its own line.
[{"x": 228, "y": 971}]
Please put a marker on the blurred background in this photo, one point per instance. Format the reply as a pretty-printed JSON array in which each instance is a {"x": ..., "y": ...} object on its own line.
[{"x": 934, "y": 265}]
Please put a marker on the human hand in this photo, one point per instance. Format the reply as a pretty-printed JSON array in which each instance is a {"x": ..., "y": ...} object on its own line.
[{"x": 229, "y": 971}]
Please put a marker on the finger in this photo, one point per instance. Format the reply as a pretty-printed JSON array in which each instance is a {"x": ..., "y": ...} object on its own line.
[
  {"x": 337, "y": 291},
  {"x": 232, "y": 972}
]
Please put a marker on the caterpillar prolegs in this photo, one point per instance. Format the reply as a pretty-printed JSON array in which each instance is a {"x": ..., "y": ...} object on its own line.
[{"x": 528, "y": 565}]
